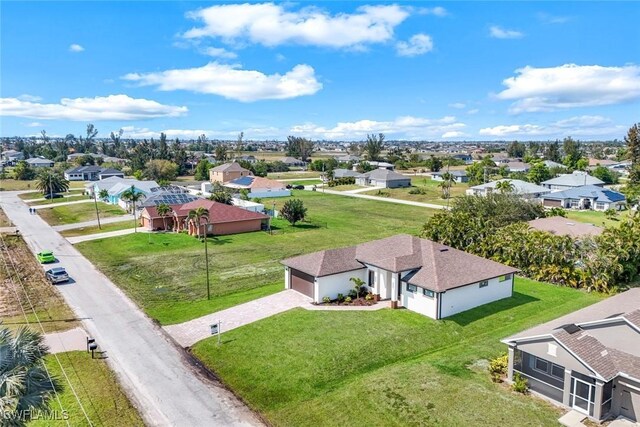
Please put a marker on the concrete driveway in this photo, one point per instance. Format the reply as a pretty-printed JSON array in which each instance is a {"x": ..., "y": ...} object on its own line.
[{"x": 154, "y": 372}]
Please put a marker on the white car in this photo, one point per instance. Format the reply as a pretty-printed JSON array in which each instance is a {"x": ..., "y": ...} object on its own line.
[{"x": 57, "y": 275}]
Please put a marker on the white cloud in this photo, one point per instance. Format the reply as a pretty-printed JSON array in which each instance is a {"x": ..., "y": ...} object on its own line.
[
  {"x": 30, "y": 98},
  {"x": 272, "y": 24},
  {"x": 219, "y": 52},
  {"x": 458, "y": 105},
  {"x": 112, "y": 107},
  {"x": 473, "y": 111},
  {"x": 551, "y": 19},
  {"x": 250, "y": 132},
  {"x": 578, "y": 126},
  {"x": 435, "y": 11},
  {"x": 498, "y": 32},
  {"x": 232, "y": 82},
  {"x": 571, "y": 86},
  {"x": 76, "y": 48},
  {"x": 418, "y": 44},
  {"x": 34, "y": 124},
  {"x": 454, "y": 134},
  {"x": 405, "y": 127},
  {"x": 280, "y": 57}
]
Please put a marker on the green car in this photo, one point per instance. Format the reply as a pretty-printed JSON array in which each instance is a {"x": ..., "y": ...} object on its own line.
[{"x": 46, "y": 256}]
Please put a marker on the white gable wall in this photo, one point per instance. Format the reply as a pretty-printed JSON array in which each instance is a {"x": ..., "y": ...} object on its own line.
[
  {"x": 419, "y": 302},
  {"x": 331, "y": 286},
  {"x": 467, "y": 297}
]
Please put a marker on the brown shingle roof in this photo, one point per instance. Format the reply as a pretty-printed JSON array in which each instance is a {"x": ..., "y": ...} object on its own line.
[
  {"x": 439, "y": 267},
  {"x": 563, "y": 227},
  {"x": 590, "y": 350},
  {"x": 229, "y": 167}
]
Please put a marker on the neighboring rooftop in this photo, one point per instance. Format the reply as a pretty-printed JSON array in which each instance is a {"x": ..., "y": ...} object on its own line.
[
  {"x": 218, "y": 212},
  {"x": 229, "y": 167},
  {"x": 575, "y": 179},
  {"x": 452, "y": 173},
  {"x": 384, "y": 174},
  {"x": 519, "y": 186},
  {"x": 599, "y": 194},
  {"x": 253, "y": 182},
  {"x": 563, "y": 227}
]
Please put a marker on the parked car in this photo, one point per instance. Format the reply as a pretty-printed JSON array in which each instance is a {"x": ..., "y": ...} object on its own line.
[
  {"x": 53, "y": 196},
  {"x": 57, "y": 275},
  {"x": 298, "y": 187},
  {"x": 289, "y": 187},
  {"x": 46, "y": 256}
]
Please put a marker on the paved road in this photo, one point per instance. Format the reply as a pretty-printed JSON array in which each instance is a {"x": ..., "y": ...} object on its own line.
[
  {"x": 152, "y": 370},
  {"x": 109, "y": 220},
  {"x": 381, "y": 199},
  {"x": 189, "y": 333}
]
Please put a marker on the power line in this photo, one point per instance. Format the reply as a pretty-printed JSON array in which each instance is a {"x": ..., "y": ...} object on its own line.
[{"x": 24, "y": 289}]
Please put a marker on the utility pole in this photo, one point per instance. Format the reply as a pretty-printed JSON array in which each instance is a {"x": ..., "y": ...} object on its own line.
[
  {"x": 95, "y": 202},
  {"x": 50, "y": 187},
  {"x": 206, "y": 257}
]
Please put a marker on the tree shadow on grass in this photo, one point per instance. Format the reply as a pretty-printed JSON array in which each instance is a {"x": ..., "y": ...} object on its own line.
[{"x": 467, "y": 317}]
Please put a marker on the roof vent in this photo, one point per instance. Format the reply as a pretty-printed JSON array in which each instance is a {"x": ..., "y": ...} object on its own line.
[{"x": 571, "y": 328}]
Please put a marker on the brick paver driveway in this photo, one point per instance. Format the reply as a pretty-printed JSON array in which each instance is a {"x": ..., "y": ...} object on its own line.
[{"x": 189, "y": 333}]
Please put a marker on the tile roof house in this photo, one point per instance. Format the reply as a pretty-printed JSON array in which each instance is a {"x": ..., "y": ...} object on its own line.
[
  {"x": 521, "y": 188},
  {"x": 258, "y": 186},
  {"x": 292, "y": 161},
  {"x": 91, "y": 173},
  {"x": 383, "y": 178},
  {"x": 421, "y": 275},
  {"x": 516, "y": 166},
  {"x": 563, "y": 227},
  {"x": 227, "y": 172},
  {"x": 40, "y": 162},
  {"x": 223, "y": 219},
  {"x": 115, "y": 186},
  {"x": 458, "y": 176},
  {"x": 12, "y": 156},
  {"x": 588, "y": 360},
  {"x": 571, "y": 180},
  {"x": 344, "y": 173},
  {"x": 585, "y": 197}
]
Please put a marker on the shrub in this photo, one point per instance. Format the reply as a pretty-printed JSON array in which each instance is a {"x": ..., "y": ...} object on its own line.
[
  {"x": 353, "y": 294},
  {"x": 293, "y": 211},
  {"x": 519, "y": 383},
  {"x": 326, "y": 300},
  {"x": 348, "y": 299},
  {"x": 383, "y": 193},
  {"x": 369, "y": 297},
  {"x": 340, "y": 297},
  {"x": 498, "y": 367},
  {"x": 342, "y": 181},
  {"x": 418, "y": 190}
]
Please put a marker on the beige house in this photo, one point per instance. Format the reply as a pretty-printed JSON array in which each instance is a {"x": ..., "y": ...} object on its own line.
[{"x": 227, "y": 172}]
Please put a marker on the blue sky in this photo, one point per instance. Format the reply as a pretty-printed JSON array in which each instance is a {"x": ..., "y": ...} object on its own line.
[{"x": 326, "y": 70}]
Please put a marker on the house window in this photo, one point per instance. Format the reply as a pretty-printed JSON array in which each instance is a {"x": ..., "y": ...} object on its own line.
[
  {"x": 541, "y": 365},
  {"x": 600, "y": 206},
  {"x": 428, "y": 293},
  {"x": 557, "y": 371},
  {"x": 574, "y": 204},
  {"x": 505, "y": 277},
  {"x": 412, "y": 288},
  {"x": 484, "y": 283},
  {"x": 371, "y": 278}
]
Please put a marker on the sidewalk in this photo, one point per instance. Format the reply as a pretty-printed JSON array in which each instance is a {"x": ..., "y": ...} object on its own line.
[
  {"x": 382, "y": 199},
  {"x": 127, "y": 217},
  {"x": 53, "y": 205},
  {"x": 189, "y": 333},
  {"x": 96, "y": 236}
]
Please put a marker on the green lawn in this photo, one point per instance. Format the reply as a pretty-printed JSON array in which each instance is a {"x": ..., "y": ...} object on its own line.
[
  {"x": 72, "y": 197},
  {"x": 304, "y": 182},
  {"x": 97, "y": 389},
  {"x": 346, "y": 187},
  {"x": 13, "y": 184},
  {"x": 431, "y": 192},
  {"x": 596, "y": 217},
  {"x": 114, "y": 226},
  {"x": 293, "y": 175},
  {"x": 4, "y": 220},
  {"x": 81, "y": 212},
  {"x": 387, "y": 367},
  {"x": 165, "y": 273}
]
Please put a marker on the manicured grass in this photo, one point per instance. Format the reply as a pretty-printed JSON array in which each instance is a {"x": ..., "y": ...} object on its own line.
[
  {"x": 596, "y": 217},
  {"x": 432, "y": 193},
  {"x": 49, "y": 306},
  {"x": 165, "y": 273},
  {"x": 78, "y": 213},
  {"x": 304, "y": 182},
  {"x": 294, "y": 175},
  {"x": 387, "y": 367},
  {"x": 97, "y": 388},
  {"x": 345, "y": 187},
  {"x": 31, "y": 196},
  {"x": 72, "y": 197},
  {"x": 114, "y": 226}
]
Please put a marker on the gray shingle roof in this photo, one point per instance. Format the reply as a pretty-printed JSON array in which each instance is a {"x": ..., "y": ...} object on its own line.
[
  {"x": 229, "y": 167},
  {"x": 599, "y": 194},
  {"x": 384, "y": 175},
  {"x": 575, "y": 179}
]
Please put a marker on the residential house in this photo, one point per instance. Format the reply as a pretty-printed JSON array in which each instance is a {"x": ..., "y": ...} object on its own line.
[
  {"x": 91, "y": 173},
  {"x": 466, "y": 158},
  {"x": 457, "y": 176},
  {"x": 227, "y": 172},
  {"x": 171, "y": 195},
  {"x": 563, "y": 227},
  {"x": 344, "y": 173},
  {"x": 293, "y": 162},
  {"x": 379, "y": 165},
  {"x": 421, "y": 275},
  {"x": 223, "y": 219},
  {"x": 551, "y": 164},
  {"x": 145, "y": 188},
  {"x": 383, "y": 178},
  {"x": 258, "y": 187},
  {"x": 348, "y": 158},
  {"x": 12, "y": 156},
  {"x": 601, "y": 162},
  {"x": 585, "y": 197},
  {"x": 40, "y": 162},
  {"x": 571, "y": 180},
  {"x": 588, "y": 360},
  {"x": 246, "y": 158},
  {"x": 517, "y": 166},
  {"x": 248, "y": 205},
  {"x": 518, "y": 187}
]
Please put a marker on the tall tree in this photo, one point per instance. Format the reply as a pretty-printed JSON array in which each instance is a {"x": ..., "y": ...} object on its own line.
[
  {"x": 133, "y": 196},
  {"x": 552, "y": 152},
  {"x": 539, "y": 172},
  {"x": 505, "y": 186},
  {"x": 221, "y": 152},
  {"x": 374, "y": 146},
  {"x": 293, "y": 211},
  {"x": 572, "y": 152},
  {"x": 633, "y": 149},
  {"x": 23, "y": 171},
  {"x": 50, "y": 182},
  {"x": 202, "y": 170},
  {"x": 161, "y": 170},
  {"x": 516, "y": 149},
  {"x": 163, "y": 148},
  {"x": 299, "y": 147},
  {"x": 163, "y": 210},
  {"x": 25, "y": 385}
]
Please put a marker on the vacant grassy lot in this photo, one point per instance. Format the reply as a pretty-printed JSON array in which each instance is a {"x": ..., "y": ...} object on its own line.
[
  {"x": 430, "y": 191},
  {"x": 13, "y": 184},
  {"x": 304, "y": 182},
  {"x": 165, "y": 273},
  {"x": 387, "y": 367},
  {"x": 50, "y": 308},
  {"x": 293, "y": 175},
  {"x": 4, "y": 221},
  {"x": 69, "y": 197},
  {"x": 114, "y": 226},
  {"x": 597, "y": 218},
  {"x": 97, "y": 389},
  {"x": 78, "y": 213}
]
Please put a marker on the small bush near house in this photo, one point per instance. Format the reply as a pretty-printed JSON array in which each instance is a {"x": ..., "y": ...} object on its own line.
[
  {"x": 383, "y": 193},
  {"x": 498, "y": 367},
  {"x": 418, "y": 190},
  {"x": 349, "y": 180},
  {"x": 326, "y": 300},
  {"x": 340, "y": 297},
  {"x": 348, "y": 299},
  {"x": 519, "y": 383},
  {"x": 369, "y": 297},
  {"x": 556, "y": 211},
  {"x": 610, "y": 213}
]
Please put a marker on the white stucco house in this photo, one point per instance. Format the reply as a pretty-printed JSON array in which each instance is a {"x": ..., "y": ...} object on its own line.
[
  {"x": 383, "y": 178},
  {"x": 585, "y": 197},
  {"x": 571, "y": 180},
  {"x": 521, "y": 188},
  {"x": 421, "y": 275}
]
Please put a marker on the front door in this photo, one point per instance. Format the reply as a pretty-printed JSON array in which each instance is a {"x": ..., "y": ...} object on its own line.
[
  {"x": 626, "y": 405},
  {"x": 582, "y": 396}
]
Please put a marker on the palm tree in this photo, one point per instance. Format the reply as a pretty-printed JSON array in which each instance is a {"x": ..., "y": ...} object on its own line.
[
  {"x": 50, "y": 182},
  {"x": 191, "y": 217},
  {"x": 104, "y": 195},
  {"x": 505, "y": 186},
  {"x": 446, "y": 184},
  {"x": 132, "y": 196},
  {"x": 24, "y": 383},
  {"x": 163, "y": 210}
]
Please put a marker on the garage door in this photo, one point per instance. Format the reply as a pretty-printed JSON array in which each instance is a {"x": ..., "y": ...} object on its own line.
[
  {"x": 552, "y": 203},
  {"x": 302, "y": 282},
  {"x": 630, "y": 404}
]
